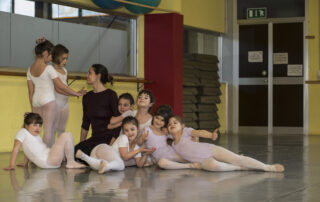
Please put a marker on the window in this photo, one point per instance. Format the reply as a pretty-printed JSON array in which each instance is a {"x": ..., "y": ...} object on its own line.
[
  {"x": 91, "y": 13},
  {"x": 24, "y": 7},
  {"x": 5, "y": 5},
  {"x": 59, "y": 11},
  {"x": 91, "y": 37}
]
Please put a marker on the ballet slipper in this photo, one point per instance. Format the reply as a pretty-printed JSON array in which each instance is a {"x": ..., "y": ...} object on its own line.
[
  {"x": 196, "y": 165},
  {"x": 103, "y": 167},
  {"x": 75, "y": 165},
  {"x": 277, "y": 168}
]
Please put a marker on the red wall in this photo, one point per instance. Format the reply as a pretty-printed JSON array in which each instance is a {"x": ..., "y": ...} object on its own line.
[{"x": 164, "y": 58}]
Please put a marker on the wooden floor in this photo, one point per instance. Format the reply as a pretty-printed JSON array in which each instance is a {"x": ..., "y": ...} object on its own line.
[{"x": 300, "y": 182}]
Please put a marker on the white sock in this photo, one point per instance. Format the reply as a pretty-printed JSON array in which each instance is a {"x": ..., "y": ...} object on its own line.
[{"x": 93, "y": 162}]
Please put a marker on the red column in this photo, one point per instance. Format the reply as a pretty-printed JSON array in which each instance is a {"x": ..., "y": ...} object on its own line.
[{"x": 164, "y": 58}]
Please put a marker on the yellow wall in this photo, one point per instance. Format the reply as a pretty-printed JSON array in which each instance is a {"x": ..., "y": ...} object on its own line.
[
  {"x": 205, "y": 14},
  {"x": 14, "y": 102},
  {"x": 222, "y": 109},
  {"x": 313, "y": 58},
  {"x": 13, "y": 90}
]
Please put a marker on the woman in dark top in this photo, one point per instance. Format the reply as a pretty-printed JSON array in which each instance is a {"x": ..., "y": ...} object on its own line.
[{"x": 99, "y": 106}]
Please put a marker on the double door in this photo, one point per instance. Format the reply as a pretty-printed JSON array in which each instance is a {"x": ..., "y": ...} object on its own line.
[{"x": 271, "y": 75}]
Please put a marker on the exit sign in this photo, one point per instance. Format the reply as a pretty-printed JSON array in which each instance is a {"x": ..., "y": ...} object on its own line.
[{"x": 256, "y": 13}]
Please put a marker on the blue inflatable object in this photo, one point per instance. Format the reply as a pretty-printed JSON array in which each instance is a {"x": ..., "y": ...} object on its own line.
[
  {"x": 142, "y": 10},
  {"x": 107, "y": 4}
]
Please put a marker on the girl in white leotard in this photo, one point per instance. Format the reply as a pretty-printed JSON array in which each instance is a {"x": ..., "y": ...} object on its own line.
[
  {"x": 105, "y": 158},
  {"x": 60, "y": 56},
  {"x": 36, "y": 151},
  {"x": 42, "y": 80}
]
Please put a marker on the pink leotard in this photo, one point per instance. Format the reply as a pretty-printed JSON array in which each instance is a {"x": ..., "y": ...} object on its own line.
[
  {"x": 163, "y": 150},
  {"x": 190, "y": 150}
]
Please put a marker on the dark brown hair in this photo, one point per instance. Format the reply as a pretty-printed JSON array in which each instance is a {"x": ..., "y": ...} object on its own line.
[
  {"x": 44, "y": 46},
  {"x": 57, "y": 51},
  {"x": 103, "y": 71},
  {"x": 32, "y": 118}
]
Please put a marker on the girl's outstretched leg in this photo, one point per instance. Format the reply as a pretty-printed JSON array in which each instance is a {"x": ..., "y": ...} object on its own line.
[
  {"x": 211, "y": 164},
  {"x": 64, "y": 147},
  {"x": 172, "y": 165},
  {"x": 224, "y": 155}
]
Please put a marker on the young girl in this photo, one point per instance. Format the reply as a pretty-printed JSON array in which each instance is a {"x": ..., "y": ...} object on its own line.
[
  {"x": 145, "y": 102},
  {"x": 125, "y": 107},
  {"x": 104, "y": 157},
  {"x": 155, "y": 137},
  {"x": 35, "y": 149},
  {"x": 60, "y": 56},
  {"x": 42, "y": 81},
  {"x": 211, "y": 157}
]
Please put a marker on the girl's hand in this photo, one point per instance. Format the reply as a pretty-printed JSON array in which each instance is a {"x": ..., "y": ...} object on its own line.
[
  {"x": 81, "y": 92},
  {"x": 148, "y": 150},
  {"x": 145, "y": 135},
  {"x": 214, "y": 134},
  {"x": 22, "y": 165},
  {"x": 10, "y": 168}
]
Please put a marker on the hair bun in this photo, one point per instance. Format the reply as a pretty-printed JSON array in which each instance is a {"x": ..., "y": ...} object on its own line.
[
  {"x": 26, "y": 114},
  {"x": 40, "y": 40}
]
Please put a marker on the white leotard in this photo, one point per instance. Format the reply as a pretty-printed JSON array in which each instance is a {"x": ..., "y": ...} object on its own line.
[
  {"x": 62, "y": 100},
  {"x": 123, "y": 141},
  {"x": 144, "y": 125},
  {"x": 43, "y": 86},
  {"x": 34, "y": 148}
]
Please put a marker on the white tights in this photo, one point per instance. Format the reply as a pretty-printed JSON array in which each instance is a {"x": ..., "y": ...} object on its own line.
[
  {"x": 225, "y": 160},
  {"x": 48, "y": 114},
  {"x": 103, "y": 152},
  {"x": 61, "y": 120},
  {"x": 64, "y": 147}
]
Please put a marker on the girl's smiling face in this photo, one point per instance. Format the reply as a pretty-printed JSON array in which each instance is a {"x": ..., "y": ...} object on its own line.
[
  {"x": 124, "y": 105},
  {"x": 174, "y": 125},
  {"x": 144, "y": 101},
  {"x": 131, "y": 131},
  {"x": 158, "y": 121}
]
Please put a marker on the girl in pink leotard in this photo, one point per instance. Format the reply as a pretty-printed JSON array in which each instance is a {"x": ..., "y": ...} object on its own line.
[
  {"x": 211, "y": 157},
  {"x": 154, "y": 136}
]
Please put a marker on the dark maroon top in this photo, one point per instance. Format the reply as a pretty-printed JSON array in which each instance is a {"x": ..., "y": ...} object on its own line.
[{"x": 98, "y": 108}]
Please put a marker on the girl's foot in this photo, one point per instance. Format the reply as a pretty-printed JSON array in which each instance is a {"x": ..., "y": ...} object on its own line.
[
  {"x": 103, "y": 167},
  {"x": 74, "y": 164},
  {"x": 277, "y": 168},
  {"x": 195, "y": 165},
  {"x": 79, "y": 154}
]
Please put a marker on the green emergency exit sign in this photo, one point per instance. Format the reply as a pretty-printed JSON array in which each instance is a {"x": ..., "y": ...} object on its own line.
[{"x": 256, "y": 13}]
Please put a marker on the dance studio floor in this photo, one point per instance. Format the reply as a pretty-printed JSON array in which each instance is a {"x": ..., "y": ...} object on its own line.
[{"x": 300, "y": 182}]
